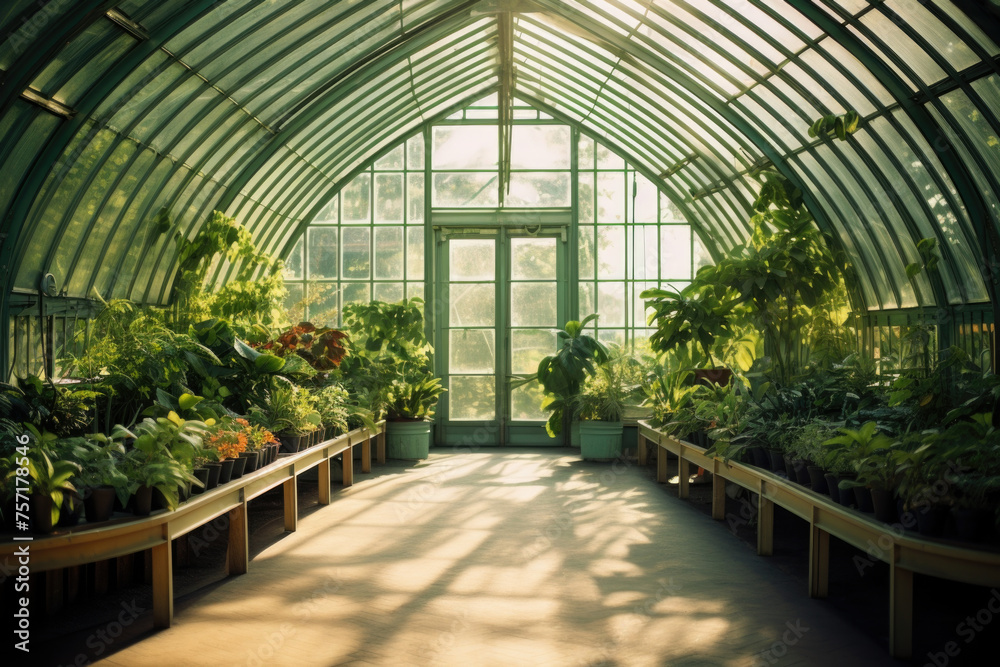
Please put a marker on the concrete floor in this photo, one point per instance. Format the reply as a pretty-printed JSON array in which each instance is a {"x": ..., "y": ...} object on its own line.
[{"x": 506, "y": 557}]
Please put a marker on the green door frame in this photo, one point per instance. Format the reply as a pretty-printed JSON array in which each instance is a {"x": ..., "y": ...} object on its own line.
[{"x": 500, "y": 225}]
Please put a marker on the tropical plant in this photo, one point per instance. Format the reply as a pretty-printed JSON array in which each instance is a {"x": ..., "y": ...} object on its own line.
[
  {"x": 252, "y": 299},
  {"x": 322, "y": 348},
  {"x": 870, "y": 455},
  {"x": 562, "y": 374},
  {"x": 609, "y": 390},
  {"x": 289, "y": 409},
  {"x": 60, "y": 410},
  {"x": 51, "y": 478},
  {"x": 100, "y": 466},
  {"x": 334, "y": 409},
  {"x": 413, "y": 398},
  {"x": 667, "y": 393},
  {"x": 693, "y": 315}
]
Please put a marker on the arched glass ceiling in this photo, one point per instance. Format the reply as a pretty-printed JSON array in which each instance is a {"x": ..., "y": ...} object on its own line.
[{"x": 112, "y": 111}]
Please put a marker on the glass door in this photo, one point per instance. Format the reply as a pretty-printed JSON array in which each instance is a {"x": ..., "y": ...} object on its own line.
[{"x": 501, "y": 301}]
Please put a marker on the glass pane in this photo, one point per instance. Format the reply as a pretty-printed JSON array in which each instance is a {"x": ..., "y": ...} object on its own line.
[
  {"x": 356, "y": 200},
  {"x": 472, "y": 259},
  {"x": 533, "y": 259},
  {"x": 540, "y": 147},
  {"x": 323, "y": 252},
  {"x": 472, "y": 305},
  {"x": 356, "y": 293},
  {"x": 611, "y": 197},
  {"x": 644, "y": 242},
  {"x": 611, "y": 304},
  {"x": 528, "y": 347},
  {"x": 587, "y": 304},
  {"x": 675, "y": 252},
  {"x": 294, "y": 304},
  {"x": 533, "y": 304},
  {"x": 466, "y": 147},
  {"x": 389, "y": 292},
  {"x": 415, "y": 198},
  {"x": 415, "y": 152},
  {"x": 586, "y": 260},
  {"x": 645, "y": 199},
  {"x": 389, "y": 253},
  {"x": 526, "y": 403},
  {"x": 608, "y": 160},
  {"x": 540, "y": 189},
  {"x": 471, "y": 398},
  {"x": 460, "y": 190},
  {"x": 392, "y": 160},
  {"x": 293, "y": 263},
  {"x": 415, "y": 253},
  {"x": 356, "y": 252},
  {"x": 610, "y": 252},
  {"x": 585, "y": 152},
  {"x": 586, "y": 197},
  {"x": 471, "y": 351},
  {"x": 323, "y": 311},
  {"x": 389, "y": 198}
]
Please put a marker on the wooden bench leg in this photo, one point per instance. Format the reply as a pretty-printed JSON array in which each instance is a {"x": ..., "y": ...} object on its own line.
[
  {"x": 238, "y": 557},
  {"x": 366, "y": 455},
  {"x": 163, "y": 585},
  {"x": 661, "y": 465},
  {"x": 683, "y": 477},
  {"x": 819, "y": 562},
  {"x": 291, "y": 503},
  {"x": 718, "y": 496},
  {"x": 380, "y": 448},
  {"x": 642, "y": 451},
  {"x": 900, "y": 611},
  {"x": 348, "y": 466},
  {"x": 324, "y": 482},
  {"x": 765, "y": 524}
]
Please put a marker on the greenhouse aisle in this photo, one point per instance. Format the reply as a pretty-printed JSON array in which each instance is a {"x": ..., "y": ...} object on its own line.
[{"x": 506, "y": 557}]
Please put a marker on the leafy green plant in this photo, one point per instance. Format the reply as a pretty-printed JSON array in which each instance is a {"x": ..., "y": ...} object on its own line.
[
  {"x": 289, "y": 409},
  {"x": 694, "y": 314},
  {"x": 253, "y": 306},
  {"x": 332, "y": 403},
  {"x": 870, "y": 455},
  {"x": 608, "y": 391},
  {"x": 52, "y": 479},
  {"x": 413, "y": 398},
  {"x": 562, "y": 374}
]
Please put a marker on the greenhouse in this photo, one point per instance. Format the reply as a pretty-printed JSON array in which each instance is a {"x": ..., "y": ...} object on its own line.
[{"x": 491, "y": 332}]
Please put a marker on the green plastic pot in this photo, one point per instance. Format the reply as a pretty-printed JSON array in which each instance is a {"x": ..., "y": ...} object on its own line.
[
  {"x": 409, "y": 439},
  {"x": 600, "y": 440}
]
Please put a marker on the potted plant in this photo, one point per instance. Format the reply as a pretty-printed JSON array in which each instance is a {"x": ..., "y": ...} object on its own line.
[
  {"x": 100, "y": 480},
  {"x": 50, "y": 481},
  {"x": 694, "y": 315},
  {"x": 289, "y": 413},
  {"x": 410, "y": 404},
  {"x": 562, "y": 374},
  {"x": 332, "y": 405},
  {"x": 871, "y": 456},
  {"x": 602, "y": 405}
]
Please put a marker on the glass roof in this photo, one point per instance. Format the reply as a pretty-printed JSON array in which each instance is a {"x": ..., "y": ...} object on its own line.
[{"x": 266, "y": 109}]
